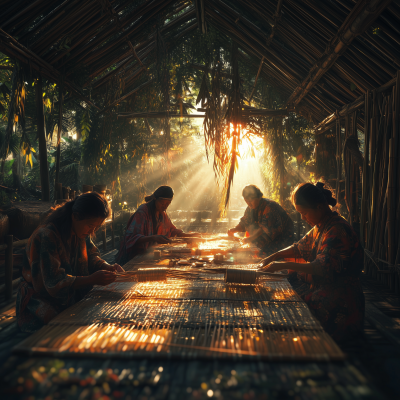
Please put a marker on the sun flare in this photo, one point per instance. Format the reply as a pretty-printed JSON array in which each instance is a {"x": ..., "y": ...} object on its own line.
[{"x": 249, "y": 144}]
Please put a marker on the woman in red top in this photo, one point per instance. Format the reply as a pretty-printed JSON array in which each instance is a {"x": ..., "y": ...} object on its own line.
[
  {"x": 334, "y": 259},
  {"x": 149, "y": 225}
]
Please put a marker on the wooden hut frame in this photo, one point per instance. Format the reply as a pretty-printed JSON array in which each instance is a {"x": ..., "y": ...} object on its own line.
[{"x": 335, "y": 62}]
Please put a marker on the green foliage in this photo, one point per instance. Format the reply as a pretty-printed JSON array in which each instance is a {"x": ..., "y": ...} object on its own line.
[
  {"x": 85, "y": 124},
  {"x": 122, "y": 153}
]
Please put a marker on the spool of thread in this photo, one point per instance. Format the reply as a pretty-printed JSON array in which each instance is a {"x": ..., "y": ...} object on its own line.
[
  {"x": 245, "y": 276},
  {"x": 157, "y": 254},
  {"x": 151, "y": 274}
]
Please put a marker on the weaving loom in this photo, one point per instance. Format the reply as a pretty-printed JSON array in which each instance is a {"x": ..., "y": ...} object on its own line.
[{"x": 195, "y": 318}]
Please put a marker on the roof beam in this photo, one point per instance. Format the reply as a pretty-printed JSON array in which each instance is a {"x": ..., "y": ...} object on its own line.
[
  {"x": 361, "y": 17},
  {"x": 114, "y": 16},
  {"x": 125, "y": 96},
  {"x": 11, "y": 47},
  {"x": 349, "y": 108},
  {"x": 247, "y": 112},
  {"x": 201, "y": 15},
  {"x": 277, "y": 17}
]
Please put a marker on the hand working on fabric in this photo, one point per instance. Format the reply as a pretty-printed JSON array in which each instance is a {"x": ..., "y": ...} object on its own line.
[{"x": 114, "y": 268}]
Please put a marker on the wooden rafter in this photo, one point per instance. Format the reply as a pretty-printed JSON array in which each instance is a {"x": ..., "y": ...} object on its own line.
[
  {"x": 329, "y": 121},
  {"x": 125, "y": 96},
  {"x": 255, "y": 81},
  {"x": 12, "y": 47},
  {"x": 247, "y": 112},
  {"x": 360, "y": 18},
  {"x": 201, "y": 15},
  {"x": 114, "y": 15},
  {"x": 277, "y": 17}
]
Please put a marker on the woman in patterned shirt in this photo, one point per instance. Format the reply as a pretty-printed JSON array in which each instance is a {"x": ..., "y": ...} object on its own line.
[
  {"x": 268, "y": 224},
  {"x": 61, "y": 262},
  {"x": 334, "y": 260},
  {"x": 149, "y": 225}
]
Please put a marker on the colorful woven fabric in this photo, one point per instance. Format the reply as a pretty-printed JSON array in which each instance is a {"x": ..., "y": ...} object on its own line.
[
  {"x": 49, "y": 273},
  {"x": 336, "y": 298},
  {"x": 141, "y": 224},
  {"x": 277, "y": 226}
]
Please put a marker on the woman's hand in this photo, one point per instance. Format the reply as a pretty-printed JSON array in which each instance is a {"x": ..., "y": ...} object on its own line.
[
  {"x": 103, "y": 277},
  {"x": 232, "y": 232},
  {"x": 275, "y": 266},
  {"x": 268, "y": 260},
  {"x": 246, "y": 240},
  {"x": 161, "y": 239},
  {"x": 114, "y": 268}
]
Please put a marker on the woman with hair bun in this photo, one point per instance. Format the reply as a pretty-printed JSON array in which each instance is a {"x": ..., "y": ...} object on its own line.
[
  {"x": 334, "y": 261},
  {"x": 269, "y": 225},
  {"x": 61, "y": 263},
  {"x": 149, "y": 225}
]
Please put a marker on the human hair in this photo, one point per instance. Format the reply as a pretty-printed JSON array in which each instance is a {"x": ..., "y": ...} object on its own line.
[
  {"x": 252, "y": 191},
  {"x": 165, "y": 192},
  {"x": 309, "y": 195},
  {"x": 86, "y": 206}
]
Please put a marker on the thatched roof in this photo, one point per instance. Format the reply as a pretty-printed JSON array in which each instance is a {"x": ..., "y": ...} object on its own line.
[{"x": 320, "y": 55}]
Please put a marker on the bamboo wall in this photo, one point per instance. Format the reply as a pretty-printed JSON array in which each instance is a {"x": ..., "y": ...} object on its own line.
[{"x": 372, "y": 182}]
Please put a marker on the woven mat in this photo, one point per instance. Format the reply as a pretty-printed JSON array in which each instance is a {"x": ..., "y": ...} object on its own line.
[{"x": 180, "y": 318}]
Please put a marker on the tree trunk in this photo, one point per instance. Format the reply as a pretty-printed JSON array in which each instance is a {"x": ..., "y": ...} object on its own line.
[
  {"x": 44, "y": 168},
  {"x": 10, "y": 122}
]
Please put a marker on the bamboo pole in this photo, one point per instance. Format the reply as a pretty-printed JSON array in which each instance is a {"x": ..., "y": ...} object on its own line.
[
  {"x": 361, "y": 20},
  {"x": 281, "y": 164},
  {"x": 391, "y": 209},
  {"x": 396, "y": 155},
  {"x": 44, "y": 167},
  {"x": 255, "y": 81},
  {"x": 338, "y": 157},
  {"x": 374, "y": 167},
  {"x": 365, "y": 178},
  {"x": 60, "y": 116},
  {"x": 9, "y": 267}
]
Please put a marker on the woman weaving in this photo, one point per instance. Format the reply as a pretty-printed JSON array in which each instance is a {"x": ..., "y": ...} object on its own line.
[
  {"x": 61, "y": 262},
  {"x": 268, "y": 224},
  {"x": 334, "y": 261},
  {"x": 149, "y": 225}
]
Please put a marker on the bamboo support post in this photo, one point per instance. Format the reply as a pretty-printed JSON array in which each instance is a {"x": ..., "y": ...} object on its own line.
[
  {"x": 198, "y": 218},
  {"x": 365, "y": 179},
  {"x": 59, "y": 128},
  {"x": 338, "y": 159},
  {"x": 391, "y": 211},
  {"x": 9, "y": 267},
  {"x": 44, "y": 168}
]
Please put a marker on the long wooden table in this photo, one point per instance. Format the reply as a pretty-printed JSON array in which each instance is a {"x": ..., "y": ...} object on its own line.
[{"x": 197, "y": 338}]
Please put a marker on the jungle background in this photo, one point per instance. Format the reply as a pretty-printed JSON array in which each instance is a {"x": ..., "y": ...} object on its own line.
[{"x": 134, "y": 156}]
